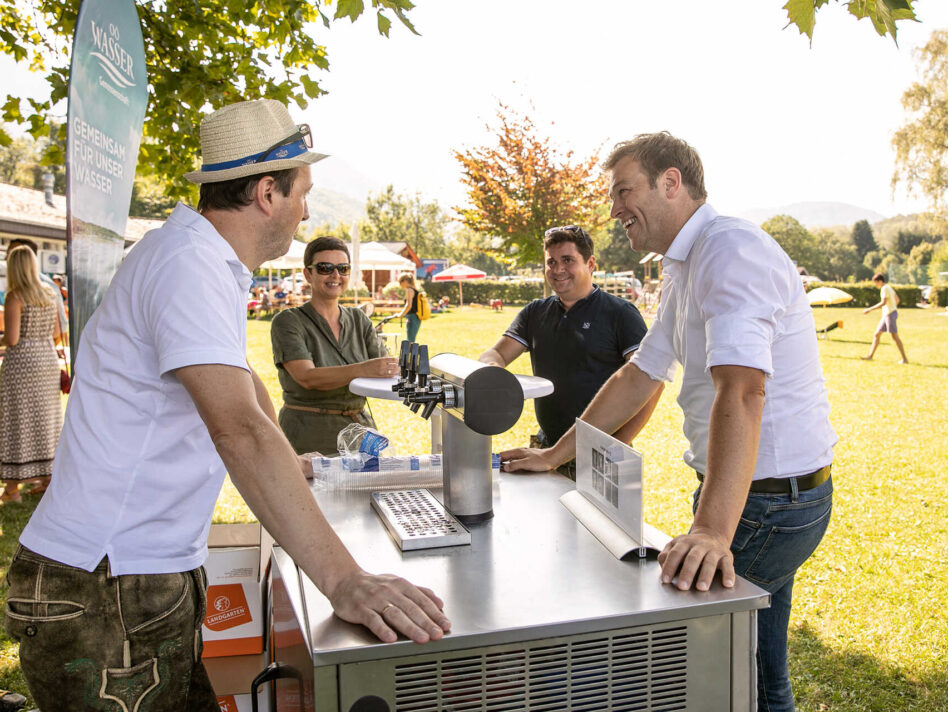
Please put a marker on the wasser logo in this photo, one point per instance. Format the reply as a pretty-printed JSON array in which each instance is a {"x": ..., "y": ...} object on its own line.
[
  {"x": 114, "y": 61},
  {"x": 226, "y": 607}
]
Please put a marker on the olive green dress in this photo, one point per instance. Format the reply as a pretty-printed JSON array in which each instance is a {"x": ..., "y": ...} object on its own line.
[{"x": 301, "y": 333}]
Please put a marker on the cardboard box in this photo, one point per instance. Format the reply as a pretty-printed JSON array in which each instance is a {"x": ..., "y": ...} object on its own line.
[
  {"x": 236, "y": 579},
  {"x": 231, "y": 678}
]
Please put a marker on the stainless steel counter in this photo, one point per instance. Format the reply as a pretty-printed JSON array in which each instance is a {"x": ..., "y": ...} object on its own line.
[{"x": 531, "y": 573}]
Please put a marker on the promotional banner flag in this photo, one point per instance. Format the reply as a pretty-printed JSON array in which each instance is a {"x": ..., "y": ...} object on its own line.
[{"x": 108, "y": 92}]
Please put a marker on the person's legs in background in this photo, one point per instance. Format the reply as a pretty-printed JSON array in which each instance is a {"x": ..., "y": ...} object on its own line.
[{"x": 414, "y": 323}]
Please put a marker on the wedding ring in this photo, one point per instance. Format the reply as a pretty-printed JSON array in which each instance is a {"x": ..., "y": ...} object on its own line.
[{"x": 385, "y": 608}]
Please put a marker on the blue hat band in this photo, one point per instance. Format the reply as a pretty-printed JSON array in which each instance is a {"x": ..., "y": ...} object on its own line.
[{"x": 291, "y": 150}]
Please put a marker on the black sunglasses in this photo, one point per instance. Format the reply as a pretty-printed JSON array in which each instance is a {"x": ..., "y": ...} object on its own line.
[
  {"x": 576, "y": 229},
  {"x": 327, "y": 268},
  {"x": 303, "y": 134}
]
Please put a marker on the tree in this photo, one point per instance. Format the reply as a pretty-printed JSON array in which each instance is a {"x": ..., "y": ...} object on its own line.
[
  {"x": 471, "y": 248},
  {"x": 796, "y": 241},
  {"x": 863, "y": 239},
  {"x": 519, "y": 188},
  {"x": 837, "y": 260},
  {"x": 938, "y": 268},
  {"x": 921, "y": 146},
  {"x": 613, "y": 251},
  {"x": 392, "y": 217},
  {"x": 21, "y": 161},
  {"x": 907, "y": 240},
  {"x": 198, "y": 56}
]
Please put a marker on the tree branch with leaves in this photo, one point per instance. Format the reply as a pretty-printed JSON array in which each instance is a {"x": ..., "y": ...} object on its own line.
[
  {"x": 199, "y": 56},
  {"x": 921, "y": 145}
]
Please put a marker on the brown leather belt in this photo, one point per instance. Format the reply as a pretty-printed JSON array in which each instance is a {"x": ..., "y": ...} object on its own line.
[
  {"x": 323, "y": 411},
  {"x": 781, "y": 485}
]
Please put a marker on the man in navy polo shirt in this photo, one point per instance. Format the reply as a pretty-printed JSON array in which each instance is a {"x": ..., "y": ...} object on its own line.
[{"x": 577, "y": 338}]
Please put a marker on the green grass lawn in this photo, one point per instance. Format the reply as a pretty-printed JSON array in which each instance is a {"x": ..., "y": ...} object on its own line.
[{"x": 870, "y": 628}]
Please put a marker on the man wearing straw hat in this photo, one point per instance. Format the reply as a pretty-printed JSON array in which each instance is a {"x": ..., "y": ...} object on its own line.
[{"x": 106, "y": 589}]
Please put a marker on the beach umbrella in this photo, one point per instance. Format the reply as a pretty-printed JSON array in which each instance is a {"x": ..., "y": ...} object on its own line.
[
  {"x": 824, "y": 296},
  {"x": 460, "y": 274}
]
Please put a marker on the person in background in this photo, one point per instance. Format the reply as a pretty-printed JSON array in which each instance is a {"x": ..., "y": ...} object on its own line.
[
  {"x": 319, "y": 348},
  {"x": 44, "y": 278},
  {"x": 279, "y": 297},
  {"x": 106, "y": 590},
  {"x": 577, "y": 339},
  {"x": 735, "y": 316},
  {"x": 31, "y": 411},
  {"x": 410, "y": 311},
  {"x": 889, "y": 303},
  {"x": 266, "y": 302}
]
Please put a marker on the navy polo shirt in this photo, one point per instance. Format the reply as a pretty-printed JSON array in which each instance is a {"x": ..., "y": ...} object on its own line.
[{"x": 577, "y": 350}]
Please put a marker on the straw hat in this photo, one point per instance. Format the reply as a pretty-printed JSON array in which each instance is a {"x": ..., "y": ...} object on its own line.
[{"x": 243, "y": 139}]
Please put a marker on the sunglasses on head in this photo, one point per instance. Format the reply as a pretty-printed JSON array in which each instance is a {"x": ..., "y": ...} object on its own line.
[
  {"x": 303, "y": 134},
  {"x": 575, "y": 229},
  {"x": 324, "y": 268}
]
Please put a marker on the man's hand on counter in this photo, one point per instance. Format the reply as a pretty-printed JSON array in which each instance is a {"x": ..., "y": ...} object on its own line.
[
  {"x": 526, "y": 458},
  {"x": 385, "y": 604},
  {"x": 695, "y": 557}
]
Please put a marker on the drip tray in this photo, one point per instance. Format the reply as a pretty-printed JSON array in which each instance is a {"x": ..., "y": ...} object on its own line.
[{"x": 416, "y": 520}]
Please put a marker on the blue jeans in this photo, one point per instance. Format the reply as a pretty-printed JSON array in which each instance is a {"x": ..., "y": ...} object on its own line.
[
  {"x": 776, "y": 534},
  {"x": 414, "y": 324}
]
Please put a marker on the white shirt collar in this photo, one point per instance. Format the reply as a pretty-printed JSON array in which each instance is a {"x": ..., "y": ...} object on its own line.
[
  {"x": 685, "y": 239},
  {"x": 189, "y": 218}
]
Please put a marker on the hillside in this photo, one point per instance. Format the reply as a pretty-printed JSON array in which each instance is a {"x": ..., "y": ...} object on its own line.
[{"x": 816, "y": 214}]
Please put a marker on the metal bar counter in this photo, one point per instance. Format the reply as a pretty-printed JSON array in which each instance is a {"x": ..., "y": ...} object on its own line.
[{"x": 533, "y": 574}]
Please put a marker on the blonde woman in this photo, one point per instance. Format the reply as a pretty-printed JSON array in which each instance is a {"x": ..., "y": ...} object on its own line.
[
  {"x": 410, "y": 311},
  {"x": 31, "y": 413}
]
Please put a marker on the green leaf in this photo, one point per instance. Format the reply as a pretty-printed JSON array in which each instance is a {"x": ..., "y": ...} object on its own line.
[
  {"x": 802, "y": 13},
  {"x": 11, "y": 110},
  {"x": 349, "y": 8},
  {"x": 384, "y": 24}
]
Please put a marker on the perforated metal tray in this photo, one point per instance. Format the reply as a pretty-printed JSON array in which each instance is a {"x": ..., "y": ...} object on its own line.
[{"x": 416, "y": 520}]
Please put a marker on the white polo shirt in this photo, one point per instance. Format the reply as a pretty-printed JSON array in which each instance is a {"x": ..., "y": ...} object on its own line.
[
  {"x": 731, "y": 296},
  {"x": 136, "y": 475}
]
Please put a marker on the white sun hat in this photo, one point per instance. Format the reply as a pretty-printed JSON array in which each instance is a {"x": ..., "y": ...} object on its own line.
[{"x": 251, "y": 138}]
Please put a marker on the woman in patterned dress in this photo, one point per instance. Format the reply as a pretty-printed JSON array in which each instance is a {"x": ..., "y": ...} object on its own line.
[{"x": 31, "y": 413}]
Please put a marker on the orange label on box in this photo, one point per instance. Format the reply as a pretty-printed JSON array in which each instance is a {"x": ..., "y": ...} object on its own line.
[
  {"x": 226, "y": 607},
  {"x": 227, "y": 703}
]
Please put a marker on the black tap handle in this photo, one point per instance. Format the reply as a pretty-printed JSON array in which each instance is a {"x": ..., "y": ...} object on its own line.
[
  {"x": 415, "y": 407},
  {"x": 413, "y": 362},
  {"x": 424, "y": 370},
  {"x": 429, "y": 409},
  {"x": 403, "y": 365}
]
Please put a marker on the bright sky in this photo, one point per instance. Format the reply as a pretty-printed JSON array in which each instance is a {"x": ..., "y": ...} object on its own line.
[{"x": 775, "y": 121}]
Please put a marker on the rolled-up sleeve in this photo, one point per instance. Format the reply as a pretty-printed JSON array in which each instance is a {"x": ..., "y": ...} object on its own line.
[
  {"x": 740, "y": 314},
  {"x": 655, "y": 356}
]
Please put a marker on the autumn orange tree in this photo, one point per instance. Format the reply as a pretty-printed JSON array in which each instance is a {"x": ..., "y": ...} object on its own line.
[{"x": 522, "y": 185}]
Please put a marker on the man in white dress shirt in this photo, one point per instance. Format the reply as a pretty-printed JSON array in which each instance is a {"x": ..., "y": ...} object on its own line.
[{"x": 735, "y": 316}]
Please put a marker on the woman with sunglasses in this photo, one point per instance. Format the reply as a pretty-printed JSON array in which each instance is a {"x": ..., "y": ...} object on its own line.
[{"x": 319, "y": 348}]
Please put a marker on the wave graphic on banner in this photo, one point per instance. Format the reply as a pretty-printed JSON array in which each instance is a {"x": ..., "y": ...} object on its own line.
[{"x": 110, "y": 69}]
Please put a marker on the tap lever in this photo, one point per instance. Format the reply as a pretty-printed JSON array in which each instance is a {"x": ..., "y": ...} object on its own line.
[
  {"x": 423, "y": 369},
  {"x": 403, "y": 365},
  {"x": 429, "y": 409}
]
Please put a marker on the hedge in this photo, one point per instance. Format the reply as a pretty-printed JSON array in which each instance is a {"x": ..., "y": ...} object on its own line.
[
  {"x": 938, "y": 296},
  {"x": 865, "y": 294},
  {"x": 482, "y": 291}
]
